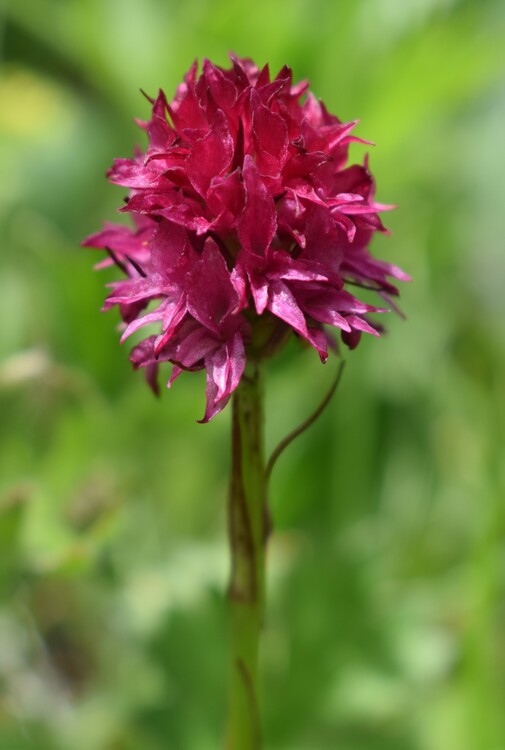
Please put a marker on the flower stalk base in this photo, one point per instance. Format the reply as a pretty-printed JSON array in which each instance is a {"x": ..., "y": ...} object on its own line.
[{"x": 248, "y": 531}]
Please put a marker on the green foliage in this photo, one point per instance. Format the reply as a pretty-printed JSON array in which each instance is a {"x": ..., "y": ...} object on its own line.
[{"x": 387, "y": 583}]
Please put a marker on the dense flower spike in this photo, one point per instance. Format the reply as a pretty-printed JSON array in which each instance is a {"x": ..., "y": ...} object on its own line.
[{"x": 249, "y": 224}]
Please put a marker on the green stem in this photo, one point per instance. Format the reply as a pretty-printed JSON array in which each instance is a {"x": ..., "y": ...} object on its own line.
[{"x": 248, "y": 531}]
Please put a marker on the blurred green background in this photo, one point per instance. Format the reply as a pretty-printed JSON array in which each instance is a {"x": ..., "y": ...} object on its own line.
[{"x": 386, "y": 623}]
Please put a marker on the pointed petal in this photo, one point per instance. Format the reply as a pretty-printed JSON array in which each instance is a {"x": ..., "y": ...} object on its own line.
[
  {"x": 224, "y": 370},
  {"x": 211, "y": 296},
  {"x": 210, "y": 155},
  {"x": 258, "y": 224},
  {"x": 269, "y": 130},
  {"x": 222, "y": 89}
]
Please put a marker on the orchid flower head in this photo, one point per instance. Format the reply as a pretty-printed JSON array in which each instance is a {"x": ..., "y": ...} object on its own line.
[{"x": 247, "y": 218}]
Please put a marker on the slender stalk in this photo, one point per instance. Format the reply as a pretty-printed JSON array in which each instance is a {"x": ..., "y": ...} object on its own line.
[
  {"x": 248, "y": 531},
  {"x": 305, "y": 424}
]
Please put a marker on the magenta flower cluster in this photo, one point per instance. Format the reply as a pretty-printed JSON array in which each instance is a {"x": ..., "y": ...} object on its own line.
[{"x": 249, "y": 225}]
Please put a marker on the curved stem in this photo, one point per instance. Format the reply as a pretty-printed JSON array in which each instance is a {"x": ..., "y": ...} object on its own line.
[
  {"x": 305, "y": 424},
  {"x": 248, "y": 533}
]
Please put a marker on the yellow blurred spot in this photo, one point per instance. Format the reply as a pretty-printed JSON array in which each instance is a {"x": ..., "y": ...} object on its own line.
[
  {"x": 23, "y": 367},
  {"x": 31, "y": 105}
]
